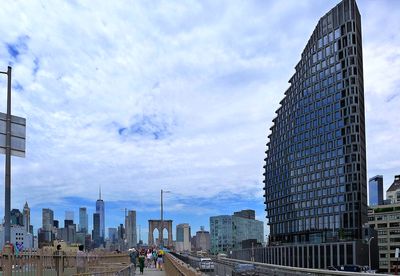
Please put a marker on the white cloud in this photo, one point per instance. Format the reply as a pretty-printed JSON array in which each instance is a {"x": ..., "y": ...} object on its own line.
[{"x": 207, "y": 77}]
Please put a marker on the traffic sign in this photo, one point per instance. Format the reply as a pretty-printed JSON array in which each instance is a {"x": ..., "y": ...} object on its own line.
[{"x": 18, "y": 135}]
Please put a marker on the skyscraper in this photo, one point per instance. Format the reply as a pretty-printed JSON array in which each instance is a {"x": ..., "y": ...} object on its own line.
[
  {"x": 183, "y": 237},
  {"x": 375, "y": 188},
  {"x": 83, "y": 220},
  {"x": 96, "y": 229},
  {"x": 315, "y": 171},
  {"x": 130, "y": 229},
  {"x": 27, "y": 217},
  {"x": 47, "y": 219},
  {"x": 100, "y": 211}
]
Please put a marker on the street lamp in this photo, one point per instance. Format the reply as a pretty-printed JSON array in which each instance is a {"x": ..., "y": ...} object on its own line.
[
  {"x": 369, "y": 252},
  {"x": 162, "y": 218},
  {"x": 7, "y": 192}
]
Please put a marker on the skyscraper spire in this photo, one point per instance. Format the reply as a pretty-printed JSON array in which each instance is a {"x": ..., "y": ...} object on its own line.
[{"x": 99, "y": 192}]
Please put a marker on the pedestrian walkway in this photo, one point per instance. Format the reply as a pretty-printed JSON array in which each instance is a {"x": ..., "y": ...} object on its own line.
[{"x": 151, "y": 272}]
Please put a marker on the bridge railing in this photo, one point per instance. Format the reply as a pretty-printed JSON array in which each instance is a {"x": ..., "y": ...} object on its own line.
[
  {"x": 41, "y": 262},
  {"x": 174, "y": 266}
]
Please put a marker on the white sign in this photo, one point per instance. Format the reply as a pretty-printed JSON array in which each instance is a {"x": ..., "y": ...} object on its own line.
[
  {"x": 18, "y": 135},
  {"x": 396, "y": 254}
]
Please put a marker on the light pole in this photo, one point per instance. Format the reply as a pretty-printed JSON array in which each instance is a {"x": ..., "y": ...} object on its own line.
[
  {"x": 162, "y": 218},
  {"x": 7, "y": 192},
  {"x": 369, "y": 252}
]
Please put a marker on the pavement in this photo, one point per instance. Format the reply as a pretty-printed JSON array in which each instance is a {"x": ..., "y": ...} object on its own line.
[{"x": 151, "y": 272}]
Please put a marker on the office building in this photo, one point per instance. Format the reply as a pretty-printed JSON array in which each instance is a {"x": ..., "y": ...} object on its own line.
[
  {"x": 19, "y": 237},
  {"x": 385, "y": 219},
  {"x": 100, "y": 211},
  {"x": 393, "y": 193},
  {"x": 130, "y": 227},
  {"x": 47, "y": 219},
  {"x": 249, "y": 214},
  {"x": 183, "y": 237},
  {"x": 83, "y": 220},
  {"x": 201, "y": 241},
  {"x": 113, "y": 234},
  {"x": 26, "y": 214},
  {"x": 96, "y": 230},
  {"x": 69, "y": 215},
  {"x": 315, "y": 170},
  {"x": 375, "y": 190},
  {"x": 227, "y": 232},
  {"x": 16, "y": 217}
]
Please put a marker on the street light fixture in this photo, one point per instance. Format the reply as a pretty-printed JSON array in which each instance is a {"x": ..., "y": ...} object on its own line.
[
  {"x": 369, "y": 252},
  {"x": 7, "y": 192}
]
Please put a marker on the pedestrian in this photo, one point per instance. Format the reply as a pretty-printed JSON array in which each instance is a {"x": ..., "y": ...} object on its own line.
[
  {"x": 141, "y": 261},
  {"x": 80, "y": 260},
  {"x": 155, "y": 257},
  {"x": 160, "y": 260},
  {"x": 149, "y": 258},
  {"x": 133, "y": 257}
]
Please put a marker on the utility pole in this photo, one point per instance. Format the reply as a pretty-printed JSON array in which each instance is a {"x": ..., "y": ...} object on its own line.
[{"x": 7, "y": 189}]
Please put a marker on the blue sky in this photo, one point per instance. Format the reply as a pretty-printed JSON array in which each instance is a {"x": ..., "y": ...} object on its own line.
[{"x": 138, "y": 96}]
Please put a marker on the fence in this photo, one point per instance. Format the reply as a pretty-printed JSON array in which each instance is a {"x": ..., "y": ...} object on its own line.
[
  {"x": 40, "y": 262},
  {"x": 174, "y": 266}
]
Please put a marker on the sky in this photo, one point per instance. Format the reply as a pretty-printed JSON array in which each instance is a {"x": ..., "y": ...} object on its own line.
[{"x": 139, "y": 96}]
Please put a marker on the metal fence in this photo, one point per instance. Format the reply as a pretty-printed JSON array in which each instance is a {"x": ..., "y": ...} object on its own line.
[{"x": 35, "y": 263}]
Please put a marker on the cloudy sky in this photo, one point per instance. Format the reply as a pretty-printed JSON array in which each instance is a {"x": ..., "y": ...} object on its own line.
[{"x": 138, "y": 96}]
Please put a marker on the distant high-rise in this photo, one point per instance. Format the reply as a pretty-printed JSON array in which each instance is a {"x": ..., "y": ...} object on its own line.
[
  {"x": 83, "y": 220},
  {"x": 113, "y": 234},
  {"x": 69, "y": 215},
  {"x": 96, "y": 229},
  {"x": 100, "y": 211},
  {"x": 315, "y": 171},
  {"x": 183, "y": 237},
  {"x": 130, "y": 229},
  {"x": 16, "y": 217},
  {"x": 393, "y": 193},
  {"x": 47, "y": 219},
  {"x": 27, "y": 217},
  {"x": 202, "y": 240},
  {"x": 375, "y": 186}
]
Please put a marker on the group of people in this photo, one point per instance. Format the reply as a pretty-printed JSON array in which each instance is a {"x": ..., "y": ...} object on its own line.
[{"x": 151, "y": 258}]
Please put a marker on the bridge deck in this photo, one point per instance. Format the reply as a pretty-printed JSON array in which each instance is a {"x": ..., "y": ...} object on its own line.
[{"x": 151, "y": 272}]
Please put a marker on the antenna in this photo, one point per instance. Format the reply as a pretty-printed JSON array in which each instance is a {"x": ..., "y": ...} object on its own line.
[{"x": 99, "y": 191}]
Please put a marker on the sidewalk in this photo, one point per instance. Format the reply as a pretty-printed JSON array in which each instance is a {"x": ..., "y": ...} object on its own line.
[{"x": 151, "y": 272}]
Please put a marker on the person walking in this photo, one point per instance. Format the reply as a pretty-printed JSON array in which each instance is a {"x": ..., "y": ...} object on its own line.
[
  {"x": 133, "y": 256},
  {"x": 141, "y": 261},
  {"x": 155, "y": 257},
  {"x": 160, "y": 260}
]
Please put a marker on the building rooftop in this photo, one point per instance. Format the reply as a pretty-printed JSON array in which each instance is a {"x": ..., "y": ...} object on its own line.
[{"x": 396, "y": 184}]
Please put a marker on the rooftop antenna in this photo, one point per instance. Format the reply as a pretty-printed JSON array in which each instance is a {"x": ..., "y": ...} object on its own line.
[{"x": 99, "y": 192}]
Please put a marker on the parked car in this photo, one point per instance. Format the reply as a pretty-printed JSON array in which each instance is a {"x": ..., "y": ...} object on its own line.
[{"x": 244, "y": 269}]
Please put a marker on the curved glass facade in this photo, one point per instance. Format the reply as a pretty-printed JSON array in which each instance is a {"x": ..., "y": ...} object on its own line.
[{"x": 315, "y": 171}]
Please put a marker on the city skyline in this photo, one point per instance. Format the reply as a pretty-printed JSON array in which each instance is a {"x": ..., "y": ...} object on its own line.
[{"x": 191, "y": 109}]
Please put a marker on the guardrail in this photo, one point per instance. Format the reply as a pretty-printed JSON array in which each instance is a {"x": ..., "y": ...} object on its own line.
[
  {"x": 40, "y": 262},
  {"x": 176, "y": 267},
  {"x": 279, "y": 270}
]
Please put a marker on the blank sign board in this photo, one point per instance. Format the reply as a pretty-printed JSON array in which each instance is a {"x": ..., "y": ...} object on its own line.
[{"x": 18, "y": 134}]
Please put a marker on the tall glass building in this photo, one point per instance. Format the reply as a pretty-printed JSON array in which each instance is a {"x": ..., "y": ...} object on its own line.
[
  {"x": 375, "y": 188},
  {"x": 227, "y": 232},
  {"x": 100, "y": 211},
  {"x": 315, "y": 170}
]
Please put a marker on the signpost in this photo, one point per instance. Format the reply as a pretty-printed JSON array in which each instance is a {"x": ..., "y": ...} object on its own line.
[{"x": 12, "y": 142}]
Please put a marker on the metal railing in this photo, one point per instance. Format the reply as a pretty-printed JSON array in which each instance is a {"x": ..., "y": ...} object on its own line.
[
  {"x": 41, "y": 262},
  {"x": 174, "y": 266}
]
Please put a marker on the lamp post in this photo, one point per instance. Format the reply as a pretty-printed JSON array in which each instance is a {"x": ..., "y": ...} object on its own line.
[
  {"x": 369, "y": 252},
  {"x": 162, "y": 218},
  {"x": 7, "y": 192}
]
